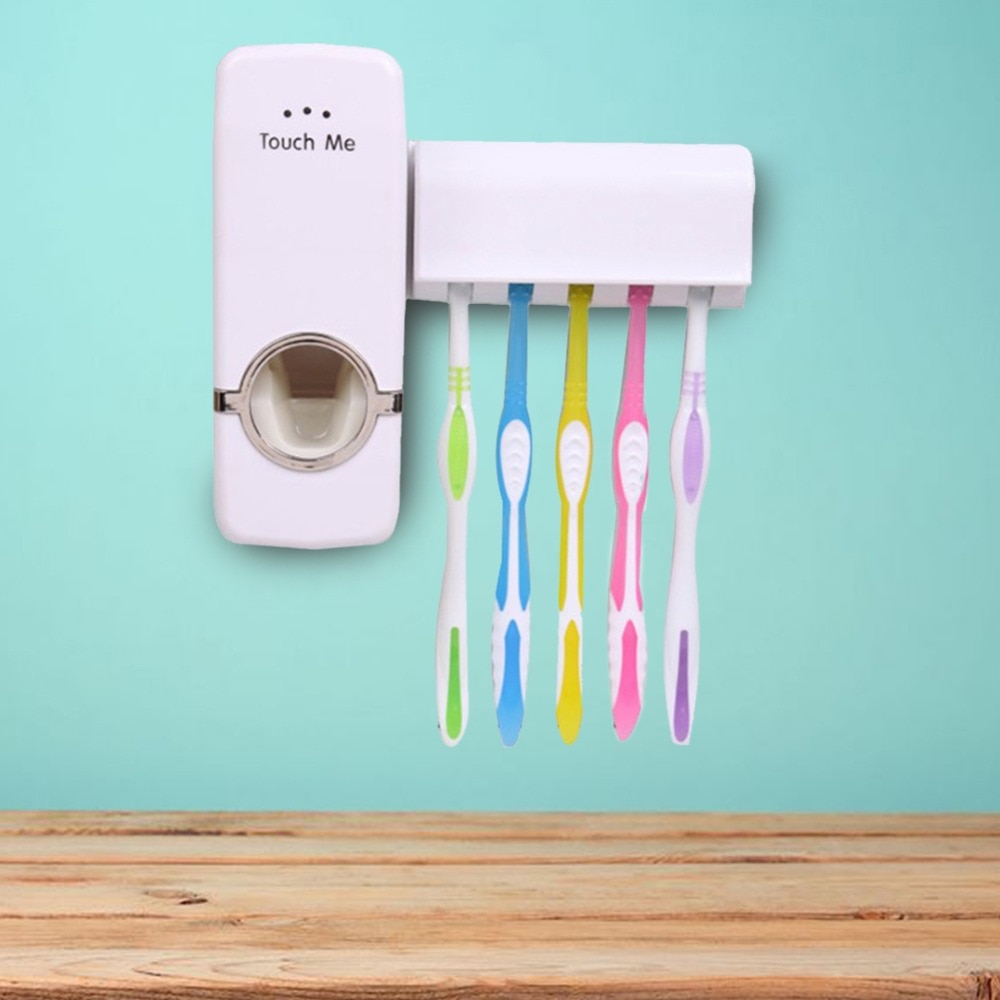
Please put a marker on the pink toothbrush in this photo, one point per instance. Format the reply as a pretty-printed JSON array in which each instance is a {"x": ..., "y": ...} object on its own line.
[{"x": 630, "y": 465}]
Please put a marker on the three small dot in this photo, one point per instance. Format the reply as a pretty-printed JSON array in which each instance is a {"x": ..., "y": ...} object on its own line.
[{"x": 306, "y": 111}]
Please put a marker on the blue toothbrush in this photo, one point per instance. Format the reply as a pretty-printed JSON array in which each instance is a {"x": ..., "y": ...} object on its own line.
[{"x": 512, "y": 613}]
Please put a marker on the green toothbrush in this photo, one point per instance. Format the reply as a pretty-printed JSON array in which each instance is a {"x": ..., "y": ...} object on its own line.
[{"x": 457, "y": 468}]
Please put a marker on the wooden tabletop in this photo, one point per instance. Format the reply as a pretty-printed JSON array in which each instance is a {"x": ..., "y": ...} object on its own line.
[{"x": 187, "y": 905}]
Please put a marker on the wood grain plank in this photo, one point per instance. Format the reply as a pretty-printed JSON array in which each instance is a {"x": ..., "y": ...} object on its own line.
[
  {"x": 446, "y": 972},
  {"x": 211, "y": 929},
  {"x": 223, "y": 849},
  {"x": 913, "y": 891},
  {"x": 388, "y": 826},
  {"x": 184, "y": 906}
]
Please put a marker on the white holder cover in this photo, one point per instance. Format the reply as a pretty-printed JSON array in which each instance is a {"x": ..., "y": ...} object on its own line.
[{"x": 555, "y": 214}]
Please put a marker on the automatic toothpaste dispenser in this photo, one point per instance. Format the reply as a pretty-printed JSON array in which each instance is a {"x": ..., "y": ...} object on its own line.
[
  {"x": 311, "y": 191},
  {"x": 314, "y": 183}
]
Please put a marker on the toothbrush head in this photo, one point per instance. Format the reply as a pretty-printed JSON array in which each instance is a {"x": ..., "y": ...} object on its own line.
[
  {"x": 633, "y": 460},
  {"x": 515, "y": 459},
  {"x": 574, "y": 460}
]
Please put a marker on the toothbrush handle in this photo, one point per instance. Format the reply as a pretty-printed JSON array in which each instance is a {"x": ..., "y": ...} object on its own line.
[
  {"x": 456, "y": 466},
  {"x": 689, "y": 456},
  {"x": 512, "y": 612},
  {"x": 626, "y": 621},
  {"x": 573, "y": 452}
]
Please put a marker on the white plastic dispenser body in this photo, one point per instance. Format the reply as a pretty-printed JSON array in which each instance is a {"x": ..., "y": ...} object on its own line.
[{"x": 311, "y": 188}]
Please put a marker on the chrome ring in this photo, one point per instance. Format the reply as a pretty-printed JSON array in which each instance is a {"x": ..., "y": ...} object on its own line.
[{"x": 378, "y": 402}]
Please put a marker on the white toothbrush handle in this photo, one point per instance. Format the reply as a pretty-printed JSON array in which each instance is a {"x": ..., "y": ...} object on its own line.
[
  {"x": 457, "y": 469},
  {"x": 689, "y": 458}
]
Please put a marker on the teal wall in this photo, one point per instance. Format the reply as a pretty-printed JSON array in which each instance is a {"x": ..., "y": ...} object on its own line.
[{"x": 850, "y": 538}]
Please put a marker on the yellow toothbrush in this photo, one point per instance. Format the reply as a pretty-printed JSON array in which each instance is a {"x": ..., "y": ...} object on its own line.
[{"x": 573, "y": 456}]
